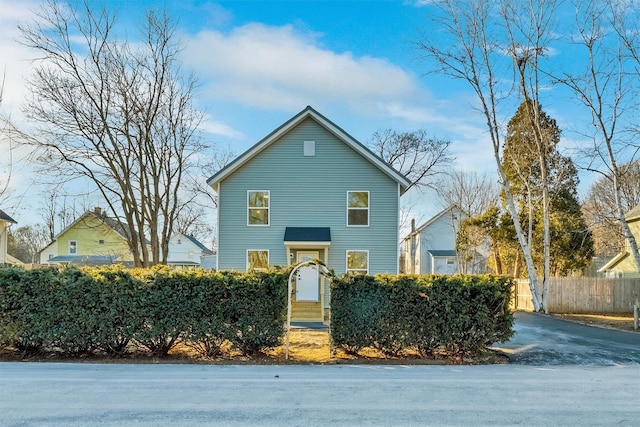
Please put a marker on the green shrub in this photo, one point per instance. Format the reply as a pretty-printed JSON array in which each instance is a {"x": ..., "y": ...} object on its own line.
[
  {"x": 256, "y": 310},
  {"x": 78, "y": 311},
  {"x": 457, "y": 314}
]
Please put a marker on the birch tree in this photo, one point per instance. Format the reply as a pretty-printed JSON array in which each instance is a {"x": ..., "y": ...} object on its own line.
[
  {"x": 116, "y": 114},
  {"x": 607, "y": 35},
  {"x": 484, "y": 44}
]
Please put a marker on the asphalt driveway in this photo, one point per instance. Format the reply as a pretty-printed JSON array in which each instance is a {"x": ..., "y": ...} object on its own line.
[{"x": 545, "y": 340}]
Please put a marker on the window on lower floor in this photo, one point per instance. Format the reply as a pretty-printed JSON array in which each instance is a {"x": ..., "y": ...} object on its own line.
[
  {"x": 358, "y": 262},
  {"x": 257, "y": 259}
]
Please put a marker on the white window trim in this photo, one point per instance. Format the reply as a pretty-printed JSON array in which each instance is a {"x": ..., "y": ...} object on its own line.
[
  {"x": 360, "y": 209},
  {"x": 69, "y": 247},
  {"x": 257, "y": 250},
  {"x": 346, "y": 261},
  {"x": 268, "y": 209}
]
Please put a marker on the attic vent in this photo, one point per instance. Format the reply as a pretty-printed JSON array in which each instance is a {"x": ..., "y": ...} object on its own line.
[{"x": 309, "y": 148}]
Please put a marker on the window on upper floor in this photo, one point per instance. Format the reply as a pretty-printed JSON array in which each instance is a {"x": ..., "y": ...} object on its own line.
[
  {"x": 309, "y": 149},
  {"x": 73, "y": 247},
  {"x": 258, "y": 203},
  {"x": 358, "y": 262},
  {"x": 257, "y": 259},
  {"x": 357, "y": 208}
]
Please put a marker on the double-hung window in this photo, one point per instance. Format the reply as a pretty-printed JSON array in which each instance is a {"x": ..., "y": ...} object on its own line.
[
  {"x": 358, "y": 262},
  {"x": 257, "y": 259},
  {"x": 258, "y": 207},
  {"x": 358, "y": 208},
  {"x": 73, "y": 247}
]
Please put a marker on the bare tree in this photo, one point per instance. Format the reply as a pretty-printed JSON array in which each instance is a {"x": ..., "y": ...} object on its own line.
[
  {"x": 7, "y": 163},
  {"x": 414, "y": 154},
  {"x": 600, "y": 210},
  {"x": 481, "y": 48},
  {"x": 60, "y": 209},
  {"x": 26, "y": 242},
  {"x": 114, "y": 113},
  {"x": 472, "y": 192},
  {"x": 607, "y": 32},
  {"x": 192, "y": 222}
]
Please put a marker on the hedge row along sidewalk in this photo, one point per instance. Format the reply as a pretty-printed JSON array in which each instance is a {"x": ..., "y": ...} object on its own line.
[
  {"x": 451, "y": 315},
  {"x": 114, "y": 311},
  {"x": 83, "y": 311}
]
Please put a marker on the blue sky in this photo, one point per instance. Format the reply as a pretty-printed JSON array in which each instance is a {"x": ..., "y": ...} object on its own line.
[{"x": 261, "y": 62}]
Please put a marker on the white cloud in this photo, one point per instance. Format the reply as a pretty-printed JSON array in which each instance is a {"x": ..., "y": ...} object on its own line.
[
  {"x": 13, "y": 64},
  {"x": 281, "y": 68},
  {"x": 212, "y": 126}
]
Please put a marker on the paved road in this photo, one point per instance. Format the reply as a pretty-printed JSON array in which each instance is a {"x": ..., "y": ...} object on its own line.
[
  {"x": 546, "y": 340},
  {"x": 46, "y": 394},
  {"x": 554, "y": 380}
]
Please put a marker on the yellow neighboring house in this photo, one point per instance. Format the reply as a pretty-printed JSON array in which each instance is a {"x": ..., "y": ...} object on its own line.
[
  {"x": 5, "y": 222},
  {"x": 623, "y": 265},
  {"x": 92, "y": 239}
]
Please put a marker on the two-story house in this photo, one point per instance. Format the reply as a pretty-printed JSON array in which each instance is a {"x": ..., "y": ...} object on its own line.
[
  {"x": 431, "y": 247},
  {"x": 309, "y": 190},
  {"x": 92, "y": 239}
]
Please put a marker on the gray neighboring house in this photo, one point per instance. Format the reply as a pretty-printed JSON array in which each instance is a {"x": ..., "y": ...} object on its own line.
[
  {"x": 309, "y": 190},
  {"x": 431, "y": 247}
]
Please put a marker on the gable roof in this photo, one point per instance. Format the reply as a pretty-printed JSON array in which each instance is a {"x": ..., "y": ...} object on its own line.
[
  {"x": 112, "y": 223},
  {"x": 613, "y": 262},
  {"x": 7, "y": 218},
  {"x": 442, "y": 253},
  {"x": 199, "y": 244},
  {"x": 343, "y": 136},
  {"x": 433, "y": 219},
  {"x": 633, "y": 214}
]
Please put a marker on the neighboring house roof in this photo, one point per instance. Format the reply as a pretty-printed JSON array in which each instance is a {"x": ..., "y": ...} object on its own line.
[
  {"x": 633, "y": 214},
  {"x": 85, "y": 260},
  {"x": 205, "y": 250},
  {"x": 432, "y": 220},
  {"x": 112, "y": 223},
  {"x": 343, "y": 136},
  {"x": 183, "y": 263},
  {"x": 13, "y": 260},
  {"x": 613, "y": 262},
  {"x": 7, "y": 218},
  {"x": 442, "y": 253}
]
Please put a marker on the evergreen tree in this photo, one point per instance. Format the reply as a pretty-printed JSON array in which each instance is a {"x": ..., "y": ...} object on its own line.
[{"x": 571, "y": 241}]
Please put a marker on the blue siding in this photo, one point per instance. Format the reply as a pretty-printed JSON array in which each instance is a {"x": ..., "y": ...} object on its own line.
[{"x": 309, "y": 192}]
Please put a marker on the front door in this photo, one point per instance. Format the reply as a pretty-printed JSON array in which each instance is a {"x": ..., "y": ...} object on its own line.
[{"x": 307, "y": 283}]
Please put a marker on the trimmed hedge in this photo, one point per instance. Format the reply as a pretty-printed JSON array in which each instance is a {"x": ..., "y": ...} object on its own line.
[
  {"x": 429, "y": 313},
  {"x": 80, "y": 311}
]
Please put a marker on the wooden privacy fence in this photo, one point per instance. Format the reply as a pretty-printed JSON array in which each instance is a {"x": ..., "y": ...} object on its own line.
[{"x": 582, "y": 295}]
